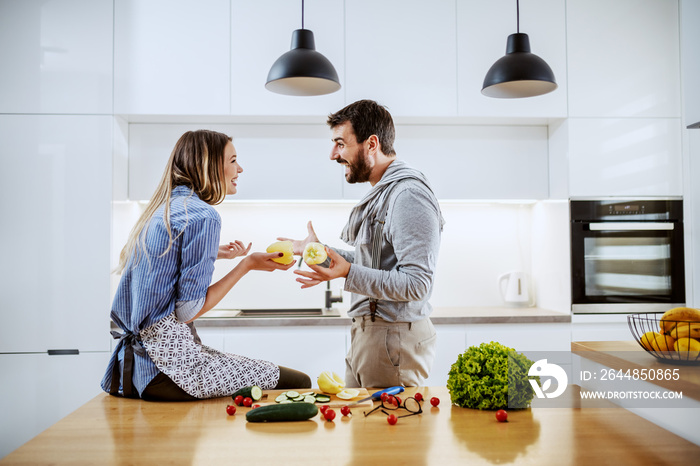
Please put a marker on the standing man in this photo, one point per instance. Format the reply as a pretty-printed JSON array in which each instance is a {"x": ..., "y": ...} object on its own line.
[{"x": 395, "y": 230}]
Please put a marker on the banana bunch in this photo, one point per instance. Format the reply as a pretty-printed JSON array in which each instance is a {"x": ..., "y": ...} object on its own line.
[{"x": 680, "y": 331}]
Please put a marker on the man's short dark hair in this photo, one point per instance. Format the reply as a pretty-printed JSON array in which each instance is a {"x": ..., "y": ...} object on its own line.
[{"x": 367, "y": 117}]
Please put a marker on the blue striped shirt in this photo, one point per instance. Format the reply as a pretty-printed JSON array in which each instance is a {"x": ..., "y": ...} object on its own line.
[{"x": 158, "y": 285}]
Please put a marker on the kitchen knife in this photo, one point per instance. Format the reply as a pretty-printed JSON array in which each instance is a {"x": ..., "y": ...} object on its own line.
[{"x": 378, "y": 395}]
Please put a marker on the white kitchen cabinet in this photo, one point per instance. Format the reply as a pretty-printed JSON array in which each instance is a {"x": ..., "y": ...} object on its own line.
[
  {"x": 316, "y": 349},
  {"x": 478, "y": 162},
  {"x": 451, "y": 342},
  {"x": 625, "y": 157},
  {"x": 56, "y": 56},
  {"x": 402, "y": 54},
  {"x": 551, "y": 341},
  {"x": 55, "y": 245},
  {"x": 212, "y": 337},
  {"x": 37, "y": 390},
  {"x": 600, "y": 327},
  {"x": 692, "y": 222},
  {"x": 278, "y": 161},
  {"x": 482, "y": 32},
  {"x": 261, "y": 32},
  {"x": 291, "y": 161},
  {"x": 523, "y": 337},
  {"x": 690, "y": 60},
  {"x": 623, "y": 58},
  {"x": 172, "y": 57},
  {"x": 311, "y": 350}
]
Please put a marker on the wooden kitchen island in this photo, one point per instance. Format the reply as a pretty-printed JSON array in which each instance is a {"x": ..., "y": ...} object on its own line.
[{"x": 109, "y": 430}]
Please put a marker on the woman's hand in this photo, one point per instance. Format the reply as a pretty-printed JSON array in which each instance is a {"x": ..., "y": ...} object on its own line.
[
  {"x": 263, "y": 261},
  {"x": 338, "y": 268},
  {"x": 232, "y": 250},
  {"x": 299, "y": 245}
]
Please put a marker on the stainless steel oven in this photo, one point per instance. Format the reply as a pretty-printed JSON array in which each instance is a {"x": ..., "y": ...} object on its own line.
[{"x": 626, "y": 255}]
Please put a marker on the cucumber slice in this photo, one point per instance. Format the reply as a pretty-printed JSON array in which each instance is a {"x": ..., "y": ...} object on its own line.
[
  {"x": 292, "y": 394},
  {"x": 309, "y": 399},
  {"x": 309, "y": 393},
  {"x": 298, "y": 398},
  {"x": 286, "y": 401},
  {"x": 323, "y": 398},
  {"x": 281, "y": 398},
  {"x": 256, "y": 393}
]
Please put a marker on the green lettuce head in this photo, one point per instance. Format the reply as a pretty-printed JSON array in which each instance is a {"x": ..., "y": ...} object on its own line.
[{"x": 491, "y": 376}]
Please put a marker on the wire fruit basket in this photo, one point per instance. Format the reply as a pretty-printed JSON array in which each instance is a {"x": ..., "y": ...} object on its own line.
[{"x": 674, "y": 341}]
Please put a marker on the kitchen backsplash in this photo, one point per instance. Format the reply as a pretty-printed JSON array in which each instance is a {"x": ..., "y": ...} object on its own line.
[{"x": 481, "y": 241}]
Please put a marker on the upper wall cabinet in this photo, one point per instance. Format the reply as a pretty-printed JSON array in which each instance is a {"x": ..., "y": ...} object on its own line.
[
  {"x": 172, "y": 57},
  {"x": 278, "y": 161},
  {"x": 56, "y": 56},
  {"x": 478, "y": 162},
  {"x": 483, "y": 30},
  {"x": 474, "y": 162},
  {"x": 402, "y": 54},
  {"x": 690, "y": 60},
  {"x": 261, "y": 32},
  {"x": 625, "y": 157},
  {"x": 623, "y": 58},
  {"x": 292, "y": 161}
]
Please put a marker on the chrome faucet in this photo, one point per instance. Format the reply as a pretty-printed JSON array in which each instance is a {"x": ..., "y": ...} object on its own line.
[{"x": 330, "y": 299}]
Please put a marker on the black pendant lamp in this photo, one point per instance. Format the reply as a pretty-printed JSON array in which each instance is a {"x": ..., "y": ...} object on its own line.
[
  {"x": 302, "y": 71},
  {"x": 519, "y": 73}
]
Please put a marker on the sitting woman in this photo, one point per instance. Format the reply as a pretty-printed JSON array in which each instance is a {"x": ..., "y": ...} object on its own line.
[{"x": 166, "y": 283}]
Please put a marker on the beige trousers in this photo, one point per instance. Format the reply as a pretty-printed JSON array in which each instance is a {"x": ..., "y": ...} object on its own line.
[{"x": 383, "y": 354}]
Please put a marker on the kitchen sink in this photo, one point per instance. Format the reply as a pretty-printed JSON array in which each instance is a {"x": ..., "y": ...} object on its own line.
[{"x": 270, "y": 313}]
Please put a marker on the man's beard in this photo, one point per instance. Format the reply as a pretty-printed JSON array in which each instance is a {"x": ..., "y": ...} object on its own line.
[{"x": 359, "y": 170}]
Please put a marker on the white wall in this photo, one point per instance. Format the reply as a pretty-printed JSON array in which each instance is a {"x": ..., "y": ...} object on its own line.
[{"x": 480, "y": 242}]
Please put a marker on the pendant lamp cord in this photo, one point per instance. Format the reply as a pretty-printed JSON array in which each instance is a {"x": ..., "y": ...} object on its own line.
[
  {"x": 302, "y": 14},
  {"x": 517, "y": 15}
]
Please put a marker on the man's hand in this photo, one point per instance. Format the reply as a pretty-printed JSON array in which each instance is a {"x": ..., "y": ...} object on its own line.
[
  {"x": 338, "y": 268},
  {"x": 232, "y": 250},
  {"x": 299, "y": 245}
]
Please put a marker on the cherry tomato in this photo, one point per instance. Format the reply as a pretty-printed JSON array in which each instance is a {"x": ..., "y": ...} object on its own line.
[
  {"x": 329, "y": 415},
  {"x": 323, "y": 409},
  {"x": 230, "y": 410},
  {"x": 435, "y": 401},
  {"x": 398, "y": 401},
  {"x": 418, "y": 396},
  {"x": 254, "y": 406},
  {"x": 247, "y": 402},
  {"x": 345, "y": 411},
  {"x": 384, "y": 396},
  {"x": 502, "y": 415},
  {"x": 392, "y": 419},
  {"x": 238, "y": 400},
  {"x": 391, "y": 400}
]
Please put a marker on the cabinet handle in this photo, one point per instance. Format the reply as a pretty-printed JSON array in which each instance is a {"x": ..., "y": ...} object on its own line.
[
  {"x": 636, "y": 226},
  {"x": 62, "y": 352}
]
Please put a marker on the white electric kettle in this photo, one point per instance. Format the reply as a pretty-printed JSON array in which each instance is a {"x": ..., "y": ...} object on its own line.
[{"x": 514, "y": 289}]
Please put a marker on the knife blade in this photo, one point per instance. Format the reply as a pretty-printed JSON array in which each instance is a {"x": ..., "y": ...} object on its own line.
[{"x": 377, "y": 395}]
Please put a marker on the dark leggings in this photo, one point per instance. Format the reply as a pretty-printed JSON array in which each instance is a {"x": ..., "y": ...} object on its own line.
[{"x": 161, "y": 388}]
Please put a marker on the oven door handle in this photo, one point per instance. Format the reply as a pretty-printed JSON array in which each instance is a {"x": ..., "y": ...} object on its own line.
[{"x": 631, "y": 226}]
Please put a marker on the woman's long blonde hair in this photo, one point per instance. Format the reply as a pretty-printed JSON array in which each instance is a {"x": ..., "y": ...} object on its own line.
[{"x": 197, "y": 161}]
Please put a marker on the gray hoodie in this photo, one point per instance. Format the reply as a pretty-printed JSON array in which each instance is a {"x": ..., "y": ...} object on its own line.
[{"x": 403, "y": 283}]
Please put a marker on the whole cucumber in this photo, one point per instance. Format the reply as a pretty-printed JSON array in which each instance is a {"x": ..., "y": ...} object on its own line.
[{"x": 282, "y": 412}]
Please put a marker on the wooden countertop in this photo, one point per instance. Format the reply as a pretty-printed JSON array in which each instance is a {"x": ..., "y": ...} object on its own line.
[
  {"x": 628, "y": 355},
  {"x": 109, "y": 430},
  {"x": 440, "y": 316}
]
